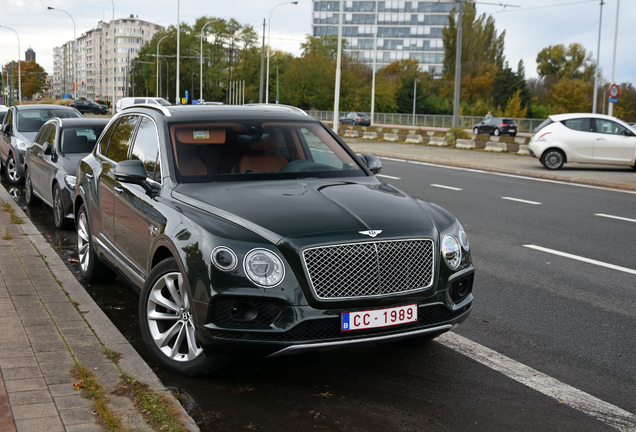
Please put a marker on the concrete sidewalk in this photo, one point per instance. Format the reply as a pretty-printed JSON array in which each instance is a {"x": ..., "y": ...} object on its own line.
[
  {"x": 48, "y": 325},
  {"x": 615, "y": 176}
]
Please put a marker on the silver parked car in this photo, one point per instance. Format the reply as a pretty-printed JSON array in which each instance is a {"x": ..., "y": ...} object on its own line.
[{"x": 19, "y": 128}]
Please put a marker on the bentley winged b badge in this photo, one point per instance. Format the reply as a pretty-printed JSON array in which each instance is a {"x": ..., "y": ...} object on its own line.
[{"x": 371, "y": 233}]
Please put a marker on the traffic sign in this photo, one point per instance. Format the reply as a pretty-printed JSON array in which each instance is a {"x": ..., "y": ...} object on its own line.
[
  {"x": 613, "y": 90},
  {"x": 612, "y": 100}
]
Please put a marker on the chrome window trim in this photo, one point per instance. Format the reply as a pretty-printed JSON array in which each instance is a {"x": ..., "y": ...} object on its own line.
[{"x": 429, "y": 285}]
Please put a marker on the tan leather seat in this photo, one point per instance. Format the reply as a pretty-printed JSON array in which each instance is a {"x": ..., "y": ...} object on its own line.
[
  {"x": 261, "y": 157},
  {"x": 188, "y": 161}
]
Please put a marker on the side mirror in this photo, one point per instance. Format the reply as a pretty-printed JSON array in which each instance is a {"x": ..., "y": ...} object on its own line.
[
  {"x": 629, "y": 133},
  {"x": 372, "y": 162},
  {"x": 47, "y": 148},
  {"x": 131, "y": 171}
]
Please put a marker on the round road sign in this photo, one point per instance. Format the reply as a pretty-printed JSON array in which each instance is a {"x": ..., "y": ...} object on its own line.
[{"x": 613, "y": 90}]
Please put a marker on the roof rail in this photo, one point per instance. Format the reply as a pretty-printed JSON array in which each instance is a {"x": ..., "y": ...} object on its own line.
[
  {"x": 279, "y": 106},
  {"x": 161, "y": 108}
]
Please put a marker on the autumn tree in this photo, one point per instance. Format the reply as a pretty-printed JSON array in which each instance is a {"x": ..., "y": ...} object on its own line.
[
  {"x": 572, "y": 62},
  {"x": 33, "y": 77}
]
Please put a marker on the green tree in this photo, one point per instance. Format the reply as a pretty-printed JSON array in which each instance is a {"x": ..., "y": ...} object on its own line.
[
  {"x": 570, "y": 95},
  {"x": 33, "y": 77},
  {"x": 571, "y": 62},
  {"x": 480, "y": 42}
]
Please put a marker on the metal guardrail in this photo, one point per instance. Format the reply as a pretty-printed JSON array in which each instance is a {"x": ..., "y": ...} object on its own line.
[{"x": 427, "y": 120}]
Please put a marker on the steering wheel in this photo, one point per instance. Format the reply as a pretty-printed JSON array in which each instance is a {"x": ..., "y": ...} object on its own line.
[{"x": 298, "y": 165}]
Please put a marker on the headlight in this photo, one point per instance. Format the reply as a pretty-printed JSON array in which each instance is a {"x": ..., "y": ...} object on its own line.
[
  {"x": 224, "y": 258},
  {"x": 70, "y": 181},
  {"x": 451, "y": 252},
  {"x": 264, "y": 268},
  {"x": 22, "y": 145}
]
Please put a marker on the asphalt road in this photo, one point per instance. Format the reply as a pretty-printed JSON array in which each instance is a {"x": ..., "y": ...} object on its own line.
[{"x": 568, "y": 319}]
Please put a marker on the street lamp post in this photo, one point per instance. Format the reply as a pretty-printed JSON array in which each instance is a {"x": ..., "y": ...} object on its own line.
[
  {"x": 598, "y": 57},
  {"x": 178, "y": 101},
  {"x": 74, "y": 51},
  {"x": 414, "y": 98},
  {"x": 269, "y": 42},
  {"x": 158, "y": 43},
  {"x": 201, "y": 60},
  {"x": 19, "y": 67}
]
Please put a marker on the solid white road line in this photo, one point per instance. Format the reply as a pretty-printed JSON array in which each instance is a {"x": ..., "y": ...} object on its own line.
[
  {"x": 585, "y": 260},
  {"x": 436, "y": 165},
  {"x": 521, "y": 201},
  {"x": 615, "y": 217},
  {"x": 607, "y": 413},
  {"x": 388, "y": 176},
  {"x": 446, "y": 187}
]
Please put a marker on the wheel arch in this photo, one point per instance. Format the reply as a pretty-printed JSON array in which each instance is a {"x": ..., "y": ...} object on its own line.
[{"x": 162, "y": 252}]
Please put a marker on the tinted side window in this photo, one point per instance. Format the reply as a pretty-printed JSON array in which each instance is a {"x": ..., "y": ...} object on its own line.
[
  {"x": 43, "y": 134},
  {"x": 50, "y": 136},
  {"x": 582, "y": 124},
  {"x": 139, "y": 101},
  {"x": 146, "y": 148},
  {"x": 609, "y": 127},
  {"x": 103, "y": 145},
  {"x": 121, "y": 139}
]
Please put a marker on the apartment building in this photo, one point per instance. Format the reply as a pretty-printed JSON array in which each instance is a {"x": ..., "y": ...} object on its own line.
[
  {"x": 390, "y": 30},
  {"x": 102, "y": 59}
]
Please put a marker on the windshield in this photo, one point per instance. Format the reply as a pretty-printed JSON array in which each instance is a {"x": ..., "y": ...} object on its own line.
[
  {"x": 33, "y": 119},
  {"x": 80, "y": 140},
  {"x": 250, "y": 150}
]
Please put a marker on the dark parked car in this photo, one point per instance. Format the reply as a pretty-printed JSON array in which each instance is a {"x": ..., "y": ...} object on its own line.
[
  {"x": 253, "y": 230},
  {"x": 497, "y": 126},
  {"x": 51, "y": 163},
  {"x": 356, "y": 119},
  {"x": 19, "y": 128},
  {"x": 84, "y": 106}
]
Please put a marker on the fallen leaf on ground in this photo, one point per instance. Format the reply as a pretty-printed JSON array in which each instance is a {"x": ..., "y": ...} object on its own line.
[{"x": 79, "y": 384}]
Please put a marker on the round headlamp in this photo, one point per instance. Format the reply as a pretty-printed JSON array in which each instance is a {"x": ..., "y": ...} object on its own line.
[
  {"x": 224, "y": 258},
  {"x": 264, "y": 268},
  {"x": 463, "y": 239},
  {"x": 451, "y": 252}
]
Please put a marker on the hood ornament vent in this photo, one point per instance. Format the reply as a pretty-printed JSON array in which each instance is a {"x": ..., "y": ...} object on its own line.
[{"x": 371, "y": 233}]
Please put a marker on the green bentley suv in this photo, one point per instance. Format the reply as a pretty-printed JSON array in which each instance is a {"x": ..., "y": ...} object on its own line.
[{"x": 256, "y": 231}]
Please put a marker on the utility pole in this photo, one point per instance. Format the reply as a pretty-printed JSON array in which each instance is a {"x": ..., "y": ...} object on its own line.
[
  {"x": 458, "y": 62},
  {"x": 260, "y": 89},
  {"x": 598, "y": 55},
  {"x": 610, "y": 110},
  {"x": 336, "y": 99}
]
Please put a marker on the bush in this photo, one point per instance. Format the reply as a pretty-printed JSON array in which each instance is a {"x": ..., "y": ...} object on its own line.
[{"x": 454, "y": 134}]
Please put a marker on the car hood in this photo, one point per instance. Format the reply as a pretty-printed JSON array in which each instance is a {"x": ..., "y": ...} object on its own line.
[
  {"x": 311, "y": 208},
  {"x": 26, "y": 136},
  {"x": 70, "y": 162}
]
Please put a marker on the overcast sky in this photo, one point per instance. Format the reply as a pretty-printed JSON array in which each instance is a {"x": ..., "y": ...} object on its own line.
[{"x": 530, "y": 28}]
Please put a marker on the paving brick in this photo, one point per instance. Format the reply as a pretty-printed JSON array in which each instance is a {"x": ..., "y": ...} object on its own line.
[
  {"x": 63, "y": 312},
  {"x": 25, "y": 385},
  {"x": 31, "y": 411},
  {"x": 16, "y": 352},
  {"x": 53, "y": 357},
  {"x": 54, "y": 294},
  {"x": 78, "y": 332},
  {"x": 35, "y": 321},
  {"x": 12, "y": 332},
  {"x": 77, "y": 416},
  {"x": 21, "y": 373},
  {"x": 85, "y": 427},
  {"x": 44, "y": 424},
  {"x": 43, "y": 330},
  {"x": 58, "y": 376},
  {"x": 72, "y": 402},
  {"x": 18, "y": 361},
  {"x": 30, "y": 397},
  {"x": 64, "y": 389}
]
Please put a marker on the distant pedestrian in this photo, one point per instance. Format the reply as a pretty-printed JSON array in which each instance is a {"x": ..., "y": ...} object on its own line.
[{"x": 488, "y": 116}]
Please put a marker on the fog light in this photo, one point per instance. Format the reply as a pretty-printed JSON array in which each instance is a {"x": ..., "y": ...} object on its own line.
[{"x": 243, "y": 312}]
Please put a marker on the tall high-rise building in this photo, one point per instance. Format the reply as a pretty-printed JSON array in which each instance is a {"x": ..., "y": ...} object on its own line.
[
  {"x": 102, "y": 57},
  {"x": 29, "y": 55},
  {"x": 390, "y": 30}
]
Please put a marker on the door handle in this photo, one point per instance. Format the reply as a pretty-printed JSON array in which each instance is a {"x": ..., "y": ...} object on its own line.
[
  {"x": 118, "y": 190},
  {"x": 600, "y": 139}
]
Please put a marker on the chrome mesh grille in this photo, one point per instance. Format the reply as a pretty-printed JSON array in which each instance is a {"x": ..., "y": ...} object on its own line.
[{"x": 370, "y": 269}]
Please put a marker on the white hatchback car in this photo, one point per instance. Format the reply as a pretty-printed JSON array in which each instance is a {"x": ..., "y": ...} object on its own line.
[{"x": 585, "y": 138}]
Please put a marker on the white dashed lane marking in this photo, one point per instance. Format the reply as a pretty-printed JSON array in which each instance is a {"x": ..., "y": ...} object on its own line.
[
  {"x": 521, "y": 201},
  {"x": 388, "y": 176},
  {"x": 582, "y": 259},
  {"x": 615, "y": 217},
  {"x": 605, "y": 412},
  {"x": 446, "y": 187}
]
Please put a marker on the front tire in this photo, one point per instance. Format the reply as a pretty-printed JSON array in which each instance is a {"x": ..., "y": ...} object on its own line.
[
  {"x": 496, "y": 132},
  {"x": 167, "y": 322},
  {"x": 476, "y": 131},
  {"x": 91, "y": 267},
  {"x": 30, "y": 198},
  {"x": 11, "y": 170},
  {"x": 61, "y": 222},
  {"x": 96, "y": 111},
  {"x": 553, "y": 159}
]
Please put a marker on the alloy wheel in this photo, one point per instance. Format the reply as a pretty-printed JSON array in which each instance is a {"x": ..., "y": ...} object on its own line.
[
  {"x": 170, "y": 320},
  {"x": 58, "y": 209},
  {"x": 83, "y": 242},
  {"x": 12, "y": 170}
]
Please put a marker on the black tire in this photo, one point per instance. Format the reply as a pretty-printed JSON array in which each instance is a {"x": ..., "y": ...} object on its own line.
[
  {"x": 11, "y": 170},
  {"x": 181, "y": 352},
  {"x": 496, "y": 132},
  {"x": 61, "y": 222},
  {"x": 30, "y": 198},
  {"x": 476, "y": 131},
  {"x": 96, "y": 111},
  {"x": 91, "y": 268},
  {"x": 553, "y": 159}
]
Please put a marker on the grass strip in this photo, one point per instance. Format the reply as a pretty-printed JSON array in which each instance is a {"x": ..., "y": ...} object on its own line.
[
  {"x": 14, "y": 217},
  {"x": 164, "y": 415},
  {"x": 98, "y": 395}
]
